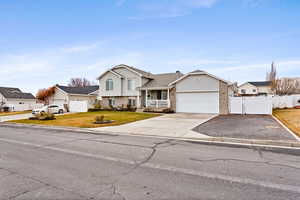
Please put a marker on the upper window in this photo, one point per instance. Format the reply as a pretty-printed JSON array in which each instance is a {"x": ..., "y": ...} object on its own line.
[
  {"x": 109, "y": 84},
  {"x": 130, "y": 84},
  {"x": 243, "y": 91},
  {"x": 254, "y": 90}
]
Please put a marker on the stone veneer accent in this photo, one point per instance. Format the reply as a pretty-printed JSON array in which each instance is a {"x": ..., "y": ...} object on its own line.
[
  {"x": 173, "y": 98},
  {"x": 223, "y": 98}
]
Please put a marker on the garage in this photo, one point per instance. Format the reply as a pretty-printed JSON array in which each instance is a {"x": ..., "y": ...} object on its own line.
[
  {"x": 206, "y": 102},
  {"x": 201, "y": 92}
]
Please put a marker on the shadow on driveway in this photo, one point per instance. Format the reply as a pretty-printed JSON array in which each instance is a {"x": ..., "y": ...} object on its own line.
[{"x": 260, "y": 127}]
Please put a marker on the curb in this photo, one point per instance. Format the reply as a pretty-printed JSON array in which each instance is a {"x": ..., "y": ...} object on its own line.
[
  {"x": 286, "y": 128},
  {"x": 288, "y": 147}
]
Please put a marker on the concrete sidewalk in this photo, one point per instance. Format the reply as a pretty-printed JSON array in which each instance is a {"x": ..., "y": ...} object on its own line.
[
  {"x": 169, "y": 125},
  {"x": 15, "y": 117}
]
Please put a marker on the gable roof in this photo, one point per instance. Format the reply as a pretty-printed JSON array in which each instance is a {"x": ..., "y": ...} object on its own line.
[
  {"x": 130, "y": 68},
  {"x": 15, "y": 93},
  {"x": 260, "y": 83},
  {"x": 79, "y": 90},
  {"x": 200, "y": 72},
  {"x": 162, "y": 80}
]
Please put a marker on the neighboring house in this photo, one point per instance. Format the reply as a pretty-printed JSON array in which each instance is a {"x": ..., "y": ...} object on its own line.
[
  {"x": 195, "y": 92},
  {"x": 15, "y": 99},
  {"x": 255, "y": 88},
  {"x": 63, "y": 95}
]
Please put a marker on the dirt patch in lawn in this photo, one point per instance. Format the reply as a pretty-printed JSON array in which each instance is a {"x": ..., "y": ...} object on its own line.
[
  {"x": 86, "y": 120},
  {"x": 290, "y": 118}
]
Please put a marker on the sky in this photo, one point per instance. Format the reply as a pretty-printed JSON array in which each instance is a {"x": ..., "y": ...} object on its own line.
[{"x": 43, "y": 43}]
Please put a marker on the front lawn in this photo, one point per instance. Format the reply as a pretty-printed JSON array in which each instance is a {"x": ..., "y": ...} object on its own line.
[
  {"x": 290, "y": 118},
  {"x": 85, "y": 120},
  {"x": 13, "y": 113}
]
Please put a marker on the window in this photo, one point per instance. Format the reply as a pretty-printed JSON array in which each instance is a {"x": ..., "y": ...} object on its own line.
[
  {"x": 111, "y": 102},
  {"x": 132, "y": 102},
  {"x": 130, "y": 84},
  {"x": 164, "y": 94},
  {"x": 254, "y": 90},
  {"x": 109, "y": 85},
  {"x": 243, "y": 91}
]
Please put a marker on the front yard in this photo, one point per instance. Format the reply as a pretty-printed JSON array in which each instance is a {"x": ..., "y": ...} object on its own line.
[
  {"x": 85, "y": 120},
  {"x": 13, "y": 113},
  {"x": 290, "y": 118}
]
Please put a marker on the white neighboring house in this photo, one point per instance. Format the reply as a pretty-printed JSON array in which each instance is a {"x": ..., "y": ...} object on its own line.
[
  {"x": 255, "y": 88},
  {"x": 16, "y": 100},
  {"x": 195, "y": 92},
  {"x": 63, "y": 95}
]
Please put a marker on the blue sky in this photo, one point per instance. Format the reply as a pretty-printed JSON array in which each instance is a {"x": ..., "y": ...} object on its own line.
[{"x": 47, "y": 42}]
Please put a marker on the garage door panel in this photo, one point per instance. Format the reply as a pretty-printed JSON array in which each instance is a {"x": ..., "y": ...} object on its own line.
[{"x": 197, "y": 102}]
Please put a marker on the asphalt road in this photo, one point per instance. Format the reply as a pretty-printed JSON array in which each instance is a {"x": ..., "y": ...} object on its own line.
[{"x": 37, "y": 164}]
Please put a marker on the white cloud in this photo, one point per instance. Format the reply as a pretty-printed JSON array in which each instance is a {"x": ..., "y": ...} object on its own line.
[
  {"x": 170, "y": 9},
  {"x": 81, "y": 48}
]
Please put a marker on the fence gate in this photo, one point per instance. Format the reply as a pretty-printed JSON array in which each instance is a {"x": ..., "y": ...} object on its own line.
[{"x": 251, "y": 105}]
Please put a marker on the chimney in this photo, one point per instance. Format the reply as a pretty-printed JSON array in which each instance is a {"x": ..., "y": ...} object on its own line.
[{"x": 177, "y": 71}]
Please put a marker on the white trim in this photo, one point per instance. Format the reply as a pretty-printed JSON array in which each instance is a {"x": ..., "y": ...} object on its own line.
[
  {"x": 199, "y": 73},
  {"x": 285, "y": 127},
  {"x": 62, "y": 90},
  {"x": 110, "y": 70},
  {"x": 198, "y": 91},
  {"x": 245, "y": 84},
  {"x": 128, "y": 68}
]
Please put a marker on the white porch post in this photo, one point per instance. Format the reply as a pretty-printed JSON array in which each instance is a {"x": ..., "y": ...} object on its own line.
[
  {"x": 146, "y": 98},
  {"x": 168, "y": 94},
  {"x": 138, "y": 103}
]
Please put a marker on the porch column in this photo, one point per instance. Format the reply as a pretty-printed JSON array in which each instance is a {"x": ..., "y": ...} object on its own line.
[
  {"x": 168, "y": 94},
  {"x": 146, "y": 98},
  {"x": 138, "y": 101}
]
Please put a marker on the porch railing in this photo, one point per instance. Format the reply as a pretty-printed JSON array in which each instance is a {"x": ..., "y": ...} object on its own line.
[{"x": 158, "y": 103}]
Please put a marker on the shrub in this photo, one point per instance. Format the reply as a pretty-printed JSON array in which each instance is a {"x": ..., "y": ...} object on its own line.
[
  {"x": 99, "y": 119},
  {"x": 97, "y": 105},
  {"x": 43, "y": 116}
]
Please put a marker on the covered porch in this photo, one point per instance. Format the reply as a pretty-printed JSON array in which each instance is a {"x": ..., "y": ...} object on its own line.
[{"x": 155, "y": 98}]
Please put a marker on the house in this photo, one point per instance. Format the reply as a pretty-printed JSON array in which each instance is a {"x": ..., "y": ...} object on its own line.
[
  {"x": 255, "y": 88},
  {"x": 63, "y": 95},
  {"x": 15, "y": 99},
  {"x": 195, "y": 92}
]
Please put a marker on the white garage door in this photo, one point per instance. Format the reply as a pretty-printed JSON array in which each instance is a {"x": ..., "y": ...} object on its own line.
[{"x": 197, "y": 102}]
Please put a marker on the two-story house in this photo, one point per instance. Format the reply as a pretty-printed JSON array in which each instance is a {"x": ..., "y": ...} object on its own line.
[
  {"x": 195, "y": 92},
  {"x": 255, "y": 88}
]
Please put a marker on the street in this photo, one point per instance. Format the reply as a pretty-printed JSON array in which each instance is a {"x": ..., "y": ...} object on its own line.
[{"x": 39, "y": 164}]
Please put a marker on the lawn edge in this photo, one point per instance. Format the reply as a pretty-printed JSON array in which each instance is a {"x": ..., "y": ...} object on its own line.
[{"x": 285, "y": 127}]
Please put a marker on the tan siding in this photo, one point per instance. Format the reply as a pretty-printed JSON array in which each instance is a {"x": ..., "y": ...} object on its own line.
[{"x": 197, "y": 83}]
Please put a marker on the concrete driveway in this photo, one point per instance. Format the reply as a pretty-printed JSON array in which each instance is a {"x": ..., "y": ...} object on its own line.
[
  {"x": 169, "y": 125},
  {"x": 260, "y": 127},
  {"x": 15, "y": 117}
]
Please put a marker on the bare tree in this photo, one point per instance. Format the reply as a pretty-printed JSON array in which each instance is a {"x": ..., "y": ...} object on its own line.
[
  {"x": 44, "y": 95},
  {"x": 79, "y": 82},
  {"x": 286, "y": 86}
]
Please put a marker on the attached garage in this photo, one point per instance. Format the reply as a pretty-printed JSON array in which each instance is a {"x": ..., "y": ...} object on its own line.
[
  {"x": 200, "y": 92},
  {"x": 206, "y": 102}
]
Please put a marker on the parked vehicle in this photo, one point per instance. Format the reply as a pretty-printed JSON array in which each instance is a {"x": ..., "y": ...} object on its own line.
[{"x": 51, "y": 109}]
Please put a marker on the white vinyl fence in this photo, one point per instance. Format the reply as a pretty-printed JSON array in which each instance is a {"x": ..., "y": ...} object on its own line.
[
  {"x": 262, "y": 104},
  {"x": 24, "y": 107},
  {"x": 286, "y": 101},
  {"x": 251, "y": 105},
  {"x": 78, "y": 106}
]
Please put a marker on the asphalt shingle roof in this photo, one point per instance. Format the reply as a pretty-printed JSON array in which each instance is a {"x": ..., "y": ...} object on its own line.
[
  {"x": 15, "y": 93},
  {"x": 162, "y": 80},
  {"x": 261, "y": 83},
  {"x": 79, "y": 90}
]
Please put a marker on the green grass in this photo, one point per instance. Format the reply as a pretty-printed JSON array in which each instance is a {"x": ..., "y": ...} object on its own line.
[
  {"x": 85, "y": 120},
  {"x": 290, "y": 118},
  {"x": 13, "y": 113}
]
